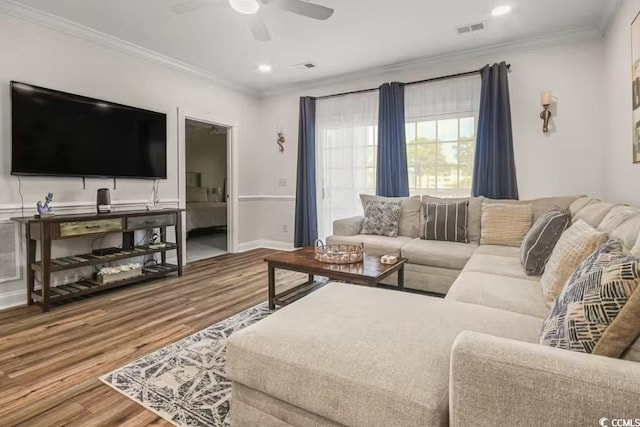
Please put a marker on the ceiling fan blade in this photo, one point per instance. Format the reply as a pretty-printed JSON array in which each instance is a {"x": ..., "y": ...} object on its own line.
[
  {"x": 304, "y": 8},
  {"x": 258, "y": 28}
]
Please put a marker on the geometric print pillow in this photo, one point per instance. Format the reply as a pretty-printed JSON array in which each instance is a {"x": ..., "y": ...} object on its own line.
[
  {"x": 381, "y": 218},
  {"x": 608, "y": 254},
  {"x": 598, "y": 311}
]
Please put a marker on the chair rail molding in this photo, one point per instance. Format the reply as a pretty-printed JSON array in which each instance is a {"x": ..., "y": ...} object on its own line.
[
  {"x": 82, "y": 206},
  {"x": 266, "y": 198}
]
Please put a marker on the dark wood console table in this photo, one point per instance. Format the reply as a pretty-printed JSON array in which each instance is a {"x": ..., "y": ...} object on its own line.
[{"x": 60, "y": 227}]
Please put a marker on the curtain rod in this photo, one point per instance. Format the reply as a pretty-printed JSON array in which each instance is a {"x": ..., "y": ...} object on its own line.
[{"x": 433, "y": 79}]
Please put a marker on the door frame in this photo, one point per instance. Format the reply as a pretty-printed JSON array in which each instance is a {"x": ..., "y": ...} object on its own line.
[{"x": 232, "y": 171}]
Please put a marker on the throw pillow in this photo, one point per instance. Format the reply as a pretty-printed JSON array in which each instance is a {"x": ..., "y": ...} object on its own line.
[
  {"x": 598, "y": 312},
  {"x": 475, "y": 214},
  {"x": 505, "y": 224},
  {"x": 409, "y": 212},
  {"x": 541, "y": 239},
  {"x": 381, "y": 218},
  {"x": 574, "y": 246},
  {"x": 446, "y": 221}
]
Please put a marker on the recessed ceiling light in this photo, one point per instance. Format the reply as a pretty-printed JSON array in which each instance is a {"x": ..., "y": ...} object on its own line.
[
  {"x": 248, "y": 7},
  {"x": 501, "y": 10},
  {"x": 264, "y": 68}
]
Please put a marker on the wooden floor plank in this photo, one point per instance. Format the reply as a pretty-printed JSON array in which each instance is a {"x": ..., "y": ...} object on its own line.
[{"x": 50, "y": 362}]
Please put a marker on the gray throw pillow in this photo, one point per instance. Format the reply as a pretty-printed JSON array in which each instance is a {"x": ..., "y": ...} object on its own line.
[
  {"x": 381, "y": 218},
  {"x": 539, "y": 242},
  {"x": 446, "y": 222}
]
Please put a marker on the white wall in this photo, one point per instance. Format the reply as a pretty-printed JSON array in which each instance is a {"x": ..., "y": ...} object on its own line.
[
  {"x": 622, "y": 176},
  {"x": 40, "y": 55},
  {"x": 566, "y": 161}
]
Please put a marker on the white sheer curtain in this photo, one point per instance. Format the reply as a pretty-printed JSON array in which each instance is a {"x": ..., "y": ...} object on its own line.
[
  {"x": 346, "y": 145},
  {"x": 441, "y": 123}
]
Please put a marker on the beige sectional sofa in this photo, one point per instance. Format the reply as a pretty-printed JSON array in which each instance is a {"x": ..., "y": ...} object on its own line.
[
  {"x": 433, "y": 266},
  {"x": 349, "y": 355}
]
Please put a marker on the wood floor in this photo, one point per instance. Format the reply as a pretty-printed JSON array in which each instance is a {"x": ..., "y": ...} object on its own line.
[{"x": 50, "y": 363}]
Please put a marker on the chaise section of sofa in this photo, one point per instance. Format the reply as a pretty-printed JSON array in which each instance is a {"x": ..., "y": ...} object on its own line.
[{"x": 360, "y": 356}]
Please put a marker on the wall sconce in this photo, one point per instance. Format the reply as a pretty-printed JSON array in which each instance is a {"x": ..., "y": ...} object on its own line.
[{"x": 547, "y": 99}]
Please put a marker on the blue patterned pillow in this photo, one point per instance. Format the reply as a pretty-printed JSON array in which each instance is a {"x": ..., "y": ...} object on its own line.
[{"x": 598, "y": 310}]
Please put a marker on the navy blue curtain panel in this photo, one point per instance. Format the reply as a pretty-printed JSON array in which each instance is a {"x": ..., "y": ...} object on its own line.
[
  {"x": 494, "y": 172},
  {"x": 306, "y": 224},
  {"x": 392, "y": 178}
]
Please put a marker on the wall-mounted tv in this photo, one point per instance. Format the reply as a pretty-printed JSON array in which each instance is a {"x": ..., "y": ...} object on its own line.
[{"x": 60, "y": 134}]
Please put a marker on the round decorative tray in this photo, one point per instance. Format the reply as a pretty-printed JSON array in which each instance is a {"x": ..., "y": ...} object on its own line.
[{"x": 339, "y": 254}]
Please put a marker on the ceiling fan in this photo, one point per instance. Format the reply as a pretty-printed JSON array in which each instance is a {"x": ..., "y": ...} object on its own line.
[{"x": 252, "y": 7}]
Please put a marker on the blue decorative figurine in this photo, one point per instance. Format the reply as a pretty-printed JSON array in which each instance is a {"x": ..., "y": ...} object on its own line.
[{"x": 45, "y": 210}]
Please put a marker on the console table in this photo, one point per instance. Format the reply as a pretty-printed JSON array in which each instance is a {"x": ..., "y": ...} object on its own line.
[{"x": 61, "y": 227}]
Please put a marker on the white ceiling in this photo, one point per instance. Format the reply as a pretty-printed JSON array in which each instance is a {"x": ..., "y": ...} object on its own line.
[{"x": 360, "y": 35}]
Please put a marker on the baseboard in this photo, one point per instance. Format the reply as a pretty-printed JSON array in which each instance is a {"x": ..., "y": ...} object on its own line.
[
  {"x": 13, "y": 299},
  {"x": 266, "y": 244}
]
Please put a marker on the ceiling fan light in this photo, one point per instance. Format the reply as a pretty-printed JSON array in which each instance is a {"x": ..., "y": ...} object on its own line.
[{"x": 248, "y": 7}]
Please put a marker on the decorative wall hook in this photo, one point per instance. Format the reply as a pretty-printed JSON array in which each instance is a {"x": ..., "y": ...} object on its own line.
[
  {"x": 281, "y": 141},
  {"x": 545, "y": 115}
]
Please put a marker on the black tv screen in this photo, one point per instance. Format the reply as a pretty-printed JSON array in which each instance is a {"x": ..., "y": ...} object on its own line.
[{"x": 59, "y": 134}]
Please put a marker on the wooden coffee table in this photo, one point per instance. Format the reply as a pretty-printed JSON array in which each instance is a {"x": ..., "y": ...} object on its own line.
[{"x": 369, "y": 272}]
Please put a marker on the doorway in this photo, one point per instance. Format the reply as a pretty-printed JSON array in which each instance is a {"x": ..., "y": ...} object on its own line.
[{"x": 207, "y": 180}]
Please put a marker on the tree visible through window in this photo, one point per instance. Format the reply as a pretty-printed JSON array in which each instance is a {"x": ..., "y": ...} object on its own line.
[{"x": 440, "y": 155}]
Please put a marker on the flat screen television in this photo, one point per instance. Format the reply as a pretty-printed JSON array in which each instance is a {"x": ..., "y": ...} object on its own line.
[{"x": 60, "y": 134}]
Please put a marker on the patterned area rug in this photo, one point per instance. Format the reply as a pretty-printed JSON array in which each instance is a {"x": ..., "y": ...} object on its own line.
[{"x": 185, "y": 383}]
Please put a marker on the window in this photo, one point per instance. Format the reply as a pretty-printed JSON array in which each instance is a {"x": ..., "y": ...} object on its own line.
[
  {"x": 441, "y": 119},
  {"x": 346, "y": 156},
  {"x": 440, "y": 154}
]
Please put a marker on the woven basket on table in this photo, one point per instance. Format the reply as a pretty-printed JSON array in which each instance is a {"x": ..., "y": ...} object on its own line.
[{"x": 339, "y": 254}]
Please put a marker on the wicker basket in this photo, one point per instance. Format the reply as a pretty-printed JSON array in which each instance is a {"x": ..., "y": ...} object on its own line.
[{"x": 339, "y": 254}]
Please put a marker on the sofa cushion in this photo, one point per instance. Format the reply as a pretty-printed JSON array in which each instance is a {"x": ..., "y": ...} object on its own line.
[
  {"x": 381, "y": 218},
  {"x": 591, "y": 211},
  {"x": 599, "y": 310},
  {"x": 505, "y": 224},
  {"x": 503, "y": 292},
  {"x": 364, "y": 356},
  {"x": 446, "y": 222},
  {"x": 542, "y": 205},
  {"x": 435, "y": 253},
  {"x": 509, "y": 266},
  {"x": 575, "y": 245},
  {"x": 508, "y": 251},
  {"x": 540, "y": 240},
  {"x": 373, "y": 245},
  {"x": 475, "y": 214},
  {"x": 409, "y": 224}
]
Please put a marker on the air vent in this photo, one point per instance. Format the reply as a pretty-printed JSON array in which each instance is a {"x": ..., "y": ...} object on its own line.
[
  {"x": 471, "y": 28},
  {"x": 189, "y": 6},
  {"x": 9, "y": 269},
  {"x": 305, "y": 66}
]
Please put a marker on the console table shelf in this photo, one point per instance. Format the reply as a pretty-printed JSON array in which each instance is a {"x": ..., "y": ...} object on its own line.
[
  {"x": 90, "y": 286},
  {"x": 41, "y": 232},
  {"x": 68, "y": 263}
]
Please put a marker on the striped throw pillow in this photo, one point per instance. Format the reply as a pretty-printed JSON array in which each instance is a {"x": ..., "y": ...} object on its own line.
[
  {"x": 539, "y": 242},
  {"x": 446, "y": 221}
]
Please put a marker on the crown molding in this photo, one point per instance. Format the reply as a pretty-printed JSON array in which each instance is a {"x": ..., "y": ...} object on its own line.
[
  {"x": 37, "y": 16},
  {"x": 610, "y": 10},
  {"x": 532, "y": 43}
]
